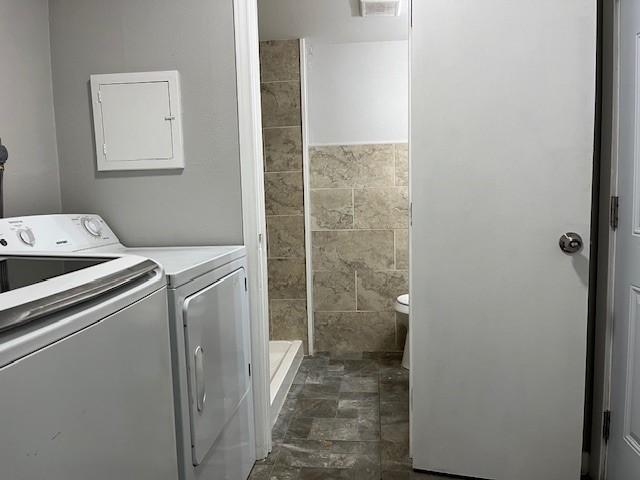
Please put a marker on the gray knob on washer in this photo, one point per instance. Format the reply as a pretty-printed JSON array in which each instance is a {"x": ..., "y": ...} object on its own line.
[{"x": 570, "y": 243}]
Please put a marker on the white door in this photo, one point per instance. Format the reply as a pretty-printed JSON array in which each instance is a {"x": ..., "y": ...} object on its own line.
[
  {"x": 502, "y": 123},
  {"x": 624, "y": 443}
]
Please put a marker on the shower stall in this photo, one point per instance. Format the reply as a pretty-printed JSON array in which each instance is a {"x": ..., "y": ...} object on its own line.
[{"x": 285, "y": 208}]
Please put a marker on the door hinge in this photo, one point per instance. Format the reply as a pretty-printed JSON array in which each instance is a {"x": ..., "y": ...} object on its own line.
[
  {"x": 411, "y": 400},
  {"x": 104, "y": 149},
  {"x": 614, "y": 213},
  {"x": 99, "y": 96},
  {"x": 249, "y": 369},
  {"x": 411, "y": 14},
  {"x": 246, "y": 287},
  {"x": 606, "y": 425}
]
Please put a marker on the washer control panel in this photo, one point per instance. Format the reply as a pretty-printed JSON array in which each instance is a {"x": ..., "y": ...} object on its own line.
[{"x": 54, "y": 233}]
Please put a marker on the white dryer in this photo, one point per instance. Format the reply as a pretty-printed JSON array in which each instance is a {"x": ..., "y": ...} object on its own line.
[{"x": 210, "y": 343}]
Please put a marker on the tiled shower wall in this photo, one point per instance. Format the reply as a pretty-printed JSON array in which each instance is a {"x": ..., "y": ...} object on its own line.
[
  {"x": 282, "y": 138},
  {"x": 359, "y": 218}
]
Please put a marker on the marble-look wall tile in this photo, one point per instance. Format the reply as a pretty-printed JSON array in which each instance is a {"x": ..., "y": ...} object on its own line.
[
  {"x": 332, "y": 209},
  {"x": 285, "y": 236},
  {"x": 377, "y": 291},
  {"x": 334, "y": 291},
  {"x": 381, "y": 207},
  {"x": 282, "y": 141},
  {"x": 287, "y": 279},
  {"x": 288, "y": 320},
  {"x": 352, "y": 166},
  {"x": 355, "y": 331},
  {"x": 282, "y": 149},
  {"x": 402, "y": 249},
  {"x": 283, "y": 193},
  {"x": 280, "y": 104},
  {"x": 353, "y": 249},
  {"x": 402, "y": 164},
  {"x": 359, "y": 221},
  {"x": 279, "y": 60}
]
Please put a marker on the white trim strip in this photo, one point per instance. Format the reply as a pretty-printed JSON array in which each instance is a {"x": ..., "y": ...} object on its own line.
[{"x": 306, "y": 193}]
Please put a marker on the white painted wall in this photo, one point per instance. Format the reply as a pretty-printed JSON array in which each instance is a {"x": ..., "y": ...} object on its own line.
[
  {"x": 196, "y": 206},
  {"x": 27, "y": 124},
  {"x": 358, "y": 92}
]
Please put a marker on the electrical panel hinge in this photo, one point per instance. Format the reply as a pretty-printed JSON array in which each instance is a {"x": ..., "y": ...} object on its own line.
[
  {"x": 614, "y": 214},
  {"x": 606, "y": 425}
]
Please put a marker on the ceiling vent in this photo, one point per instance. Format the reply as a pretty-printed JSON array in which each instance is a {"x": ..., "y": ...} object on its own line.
[{"x": 380, "y": 8}]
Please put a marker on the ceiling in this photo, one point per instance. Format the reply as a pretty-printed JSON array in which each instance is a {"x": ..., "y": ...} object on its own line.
[{"x": 328, "y": 21}]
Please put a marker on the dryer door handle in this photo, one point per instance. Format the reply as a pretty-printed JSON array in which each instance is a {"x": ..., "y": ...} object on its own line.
[{"x": 201, "y": 388}]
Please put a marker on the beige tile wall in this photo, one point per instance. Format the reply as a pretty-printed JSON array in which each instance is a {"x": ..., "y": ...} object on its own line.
[
  {"x": 282, "y": 139},
  {"x": 359, "y": 219}
]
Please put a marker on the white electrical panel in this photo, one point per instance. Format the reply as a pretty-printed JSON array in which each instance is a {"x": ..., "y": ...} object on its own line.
[
  {"x": 380, "y": 8},
  {"x": 137, "y": 121}
]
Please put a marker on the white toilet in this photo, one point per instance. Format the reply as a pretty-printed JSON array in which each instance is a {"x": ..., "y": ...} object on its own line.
[{"x": 402, "y": 306}]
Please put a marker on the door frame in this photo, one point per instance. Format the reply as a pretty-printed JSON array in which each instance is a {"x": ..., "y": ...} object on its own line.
[
  {"x": 603, "y": 334},
  {"x": 245, "y": 15},
  {"x": 254, "y": 224}
]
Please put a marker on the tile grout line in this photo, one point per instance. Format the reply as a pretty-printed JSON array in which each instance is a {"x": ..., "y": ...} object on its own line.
[
  {"x": 389, "y": 229},
  {"x": 355, "y": 273},
  {"x": 359, "y": 187},
  {"x": 395, "y": 252},
  {"x": 271, "y": 82},
  {"x": 353, "y": 207},
  {"x": 395, "y": 165},
  {"x": 282, "y": 171},
  {"x": 280, "y": 127},
  {"x": 380, "y": 422},
  {"x": 285, "y": 258},
  {"x": 395, "y": 329}
]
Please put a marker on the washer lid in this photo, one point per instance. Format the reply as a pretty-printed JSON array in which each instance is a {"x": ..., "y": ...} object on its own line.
[
  {"x": 32, "y": 287},
  {"x": 28, "y": 270}
]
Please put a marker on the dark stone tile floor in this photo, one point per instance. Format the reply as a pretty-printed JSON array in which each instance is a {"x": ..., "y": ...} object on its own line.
[{"x": 345, "y": 418}]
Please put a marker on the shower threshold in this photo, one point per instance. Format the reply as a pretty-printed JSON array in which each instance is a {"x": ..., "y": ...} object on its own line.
[{"x": 284, "y": 360}]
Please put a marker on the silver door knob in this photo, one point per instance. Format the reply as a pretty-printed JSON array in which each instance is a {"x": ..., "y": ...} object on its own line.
[{"x": 570, "y": 243}]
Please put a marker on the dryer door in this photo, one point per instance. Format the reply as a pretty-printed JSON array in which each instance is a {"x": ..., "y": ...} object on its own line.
[{"x": 217, "y": 339}]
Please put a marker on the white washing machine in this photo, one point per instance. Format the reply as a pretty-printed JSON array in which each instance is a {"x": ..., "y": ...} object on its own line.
[
  {"x": 85, "y": 365},
  {"x": 210, "y": 342}
]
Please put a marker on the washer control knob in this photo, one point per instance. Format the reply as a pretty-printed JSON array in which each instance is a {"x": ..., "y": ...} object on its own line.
[
  {"x": 92, "y": 226},
  {"x": 26, "y": 236}
]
